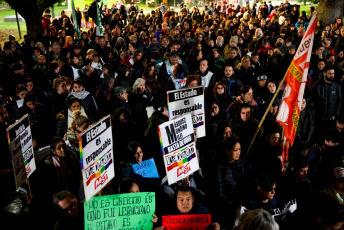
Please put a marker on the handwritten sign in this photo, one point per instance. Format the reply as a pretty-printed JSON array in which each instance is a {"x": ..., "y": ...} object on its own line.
[
  {"x": 188, "y": 100},
  {"x": 132, "y": 211},
  {"x": 146, "y": 169},
  {"x": 177, "y": 142},
  {"x": 96, "y": 156},
  {"x": 20, "y": 141},
  {"x": 184, "y": 222}
]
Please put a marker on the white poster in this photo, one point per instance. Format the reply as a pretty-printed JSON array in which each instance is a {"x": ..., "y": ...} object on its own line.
[
  {"x": 188, "y": 100},
  {"x": 20, "y": 141},
  {"x": 96, "y": 155},
  {"x": 177, "y": 140}
]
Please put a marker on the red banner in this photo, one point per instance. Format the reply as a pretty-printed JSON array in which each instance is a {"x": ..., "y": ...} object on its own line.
[
  {"x": 186, "y": 222},
  {"x": 296, "y": 78}
]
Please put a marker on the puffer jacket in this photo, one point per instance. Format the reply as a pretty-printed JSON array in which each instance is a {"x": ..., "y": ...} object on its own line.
[{"x": 327, "y": 98}]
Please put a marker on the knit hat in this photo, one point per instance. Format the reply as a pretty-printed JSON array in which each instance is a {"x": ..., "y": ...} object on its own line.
[
  {"x": 234, "y": 39},
  {"x": 11, "y": 37},
  {"x": 291, "y": 47},
  {"x": 263, "y": 77}
]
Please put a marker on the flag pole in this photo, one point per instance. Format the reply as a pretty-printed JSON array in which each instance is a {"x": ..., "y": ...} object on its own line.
[{"x": 266, "y": 113}]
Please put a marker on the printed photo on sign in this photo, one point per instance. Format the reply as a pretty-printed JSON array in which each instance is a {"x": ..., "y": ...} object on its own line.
[
  {"x": 188, "y": 100},
  {"x": 120, "y": 211},
  {"x": 96, "y": 156},
  {"x": 177, "y": 141}
]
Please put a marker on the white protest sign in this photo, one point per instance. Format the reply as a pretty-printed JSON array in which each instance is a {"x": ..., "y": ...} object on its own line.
[
  {"x": 188, "y": 100},
  {"x": 20, "y": 141},
  {"x": 96, "y": 156},
  {"x": 177, "y": 142}
]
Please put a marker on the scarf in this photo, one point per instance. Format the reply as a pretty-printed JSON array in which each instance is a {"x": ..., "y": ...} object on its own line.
[
  {"x": 81, "y": 95},
  {"x": 71, "y": 115}
]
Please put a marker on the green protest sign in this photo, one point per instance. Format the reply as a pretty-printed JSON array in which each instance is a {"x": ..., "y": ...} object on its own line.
[{"x": 132, "y": 211}]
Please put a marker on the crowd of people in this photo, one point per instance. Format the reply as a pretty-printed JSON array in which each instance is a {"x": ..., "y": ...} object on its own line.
[{"x": 238, "y": 54}]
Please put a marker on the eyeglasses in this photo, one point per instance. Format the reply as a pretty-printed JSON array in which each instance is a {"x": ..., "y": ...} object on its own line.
[
  {"x": 220, "y": 88},
  {"x": 70, "y": 207}
]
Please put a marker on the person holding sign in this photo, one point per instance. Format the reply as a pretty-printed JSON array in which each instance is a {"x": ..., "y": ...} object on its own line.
[{"x": 186, "y": 204}]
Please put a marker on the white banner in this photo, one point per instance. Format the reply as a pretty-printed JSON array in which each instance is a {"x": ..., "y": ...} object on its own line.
[
  {"x": 20, "y": 141},
  {"x": 177, "y": 140},
  {"x": 188, "y": 100},
  {"x": 96, "y": 155}
]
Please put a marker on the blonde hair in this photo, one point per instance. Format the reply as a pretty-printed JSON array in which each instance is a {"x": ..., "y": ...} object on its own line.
[
  {"x": 79, "y": 120},
  {"x": 57, "y": 82}
]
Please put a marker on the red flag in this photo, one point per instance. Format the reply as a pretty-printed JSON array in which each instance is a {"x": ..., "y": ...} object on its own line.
[{"x": 296, "y": 78}]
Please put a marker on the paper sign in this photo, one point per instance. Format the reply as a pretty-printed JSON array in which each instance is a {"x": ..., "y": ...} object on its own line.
[
  {"x": 188, "y": 100},
  {"x": 184, "y": 222},
  {"x": 121, "y": 211},
  {"x": 96, "y": 156},
  {"x": 177, "y": 142},
  {"x": 146, "y": 169},
  {"x": 20, "y": 141}
]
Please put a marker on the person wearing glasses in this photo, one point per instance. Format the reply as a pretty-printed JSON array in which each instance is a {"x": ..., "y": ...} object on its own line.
[{"x": 71, "y": 212}]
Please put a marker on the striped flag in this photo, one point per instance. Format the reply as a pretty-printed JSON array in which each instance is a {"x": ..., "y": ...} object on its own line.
[
  {"x": 99, "y": 27},
  {"x": 75, "y": 21},
  {"x": 296, "y": 78}
]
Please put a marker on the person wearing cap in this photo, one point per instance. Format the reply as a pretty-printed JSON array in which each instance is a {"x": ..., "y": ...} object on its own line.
[{"x": 232, "y": 43}]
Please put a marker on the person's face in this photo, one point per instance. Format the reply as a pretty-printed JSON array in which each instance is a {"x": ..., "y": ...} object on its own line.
[
  {"x": 76, "y": 60},
  {"x": 227, "y": 132},
  {"x": 131, "y": 48},
  {"x": 219, "y": 40},
  {"x": 245, "y": 114},
  {"x": 331, "y": 60},
  {"x": 268, "y": 194},
  {"x": 56, "y": 49},
  {"x": 194, "y": 83},
  {"x": 220, "y": 89},
  {"x": 81, "y": 128},
  {"x": 234, "y": 153},
  {"x": 22, "y": 94},
  {"x": 155, "y": 41},
  {"x": 174, "y": 48},
  {"x": 199, "y": 46},
  {"x": 188, "y": 34},
  {"x": 340, "y": 127},
  {"x": 214, "y": 109},
  {"x": 184, "y": 202},
  {"x": 124, "y": 95},
  {"x": 164, "y": 42},
  {"x": 233, "y": 54},
  {"x": 139, "y": 56},
  {"x": 200, "y": 55},
  {"x": 29, "y": 86},
  {"x": 303, "y": 105},
  {"x": 77, "y": 88},
  {"x": 274, "y": 139},
  {"x": 216, "y": 54},
  {"x": 174, "y": 60},
  {"x": 75, "y": 106},
  {"x": 321, "y": 65},
  {"x": 203, "y": 66},
  {"x": 152, "y": 70},
  {"x": 69, "y": 208},
  {"x": 329, "y": 75},
  {"x": 246, "y": 63},
  {"x": 262, "y": 83},
  {"x": 302, "y": 173},
  {"x": 138, "y": 155},
  {"x": 61, "y": 88},
  {"x": 141, "y": 87},
  {"x": 248, "y": 96},
  {"x": 102, "y": 42},
  {"x": 60, "y": 149},
  {"x": 57, "y": 70},
  {"x": 255, "y": 59},
  {"x": 271, "y": 87},
  {"x": 291, "y": 51},
  {"x": 134, "y": 188},
  {"x": 42, "y": 60},
  {"x": 122, "y": 56}
]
